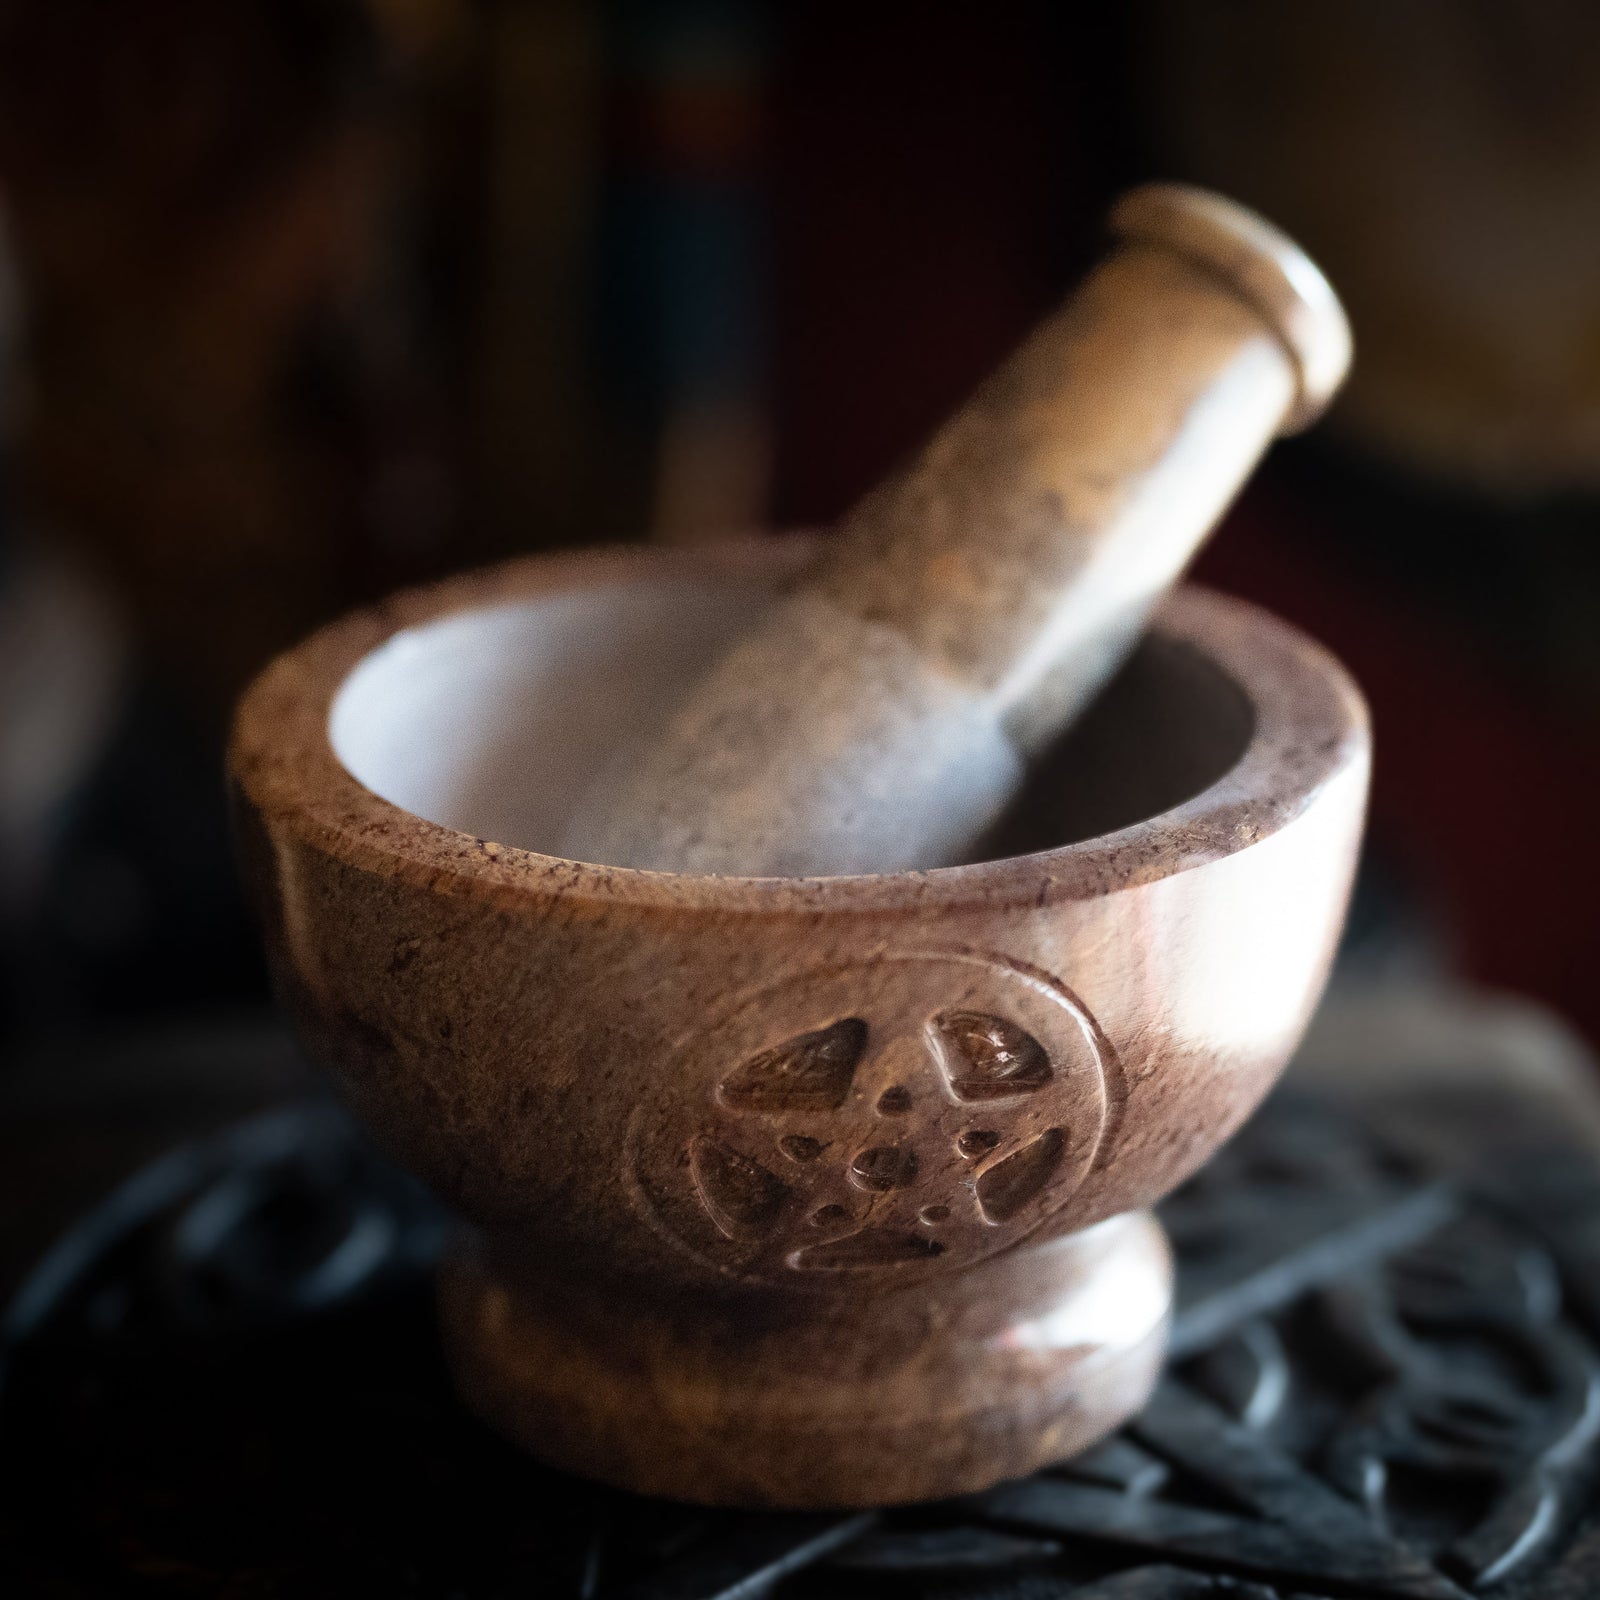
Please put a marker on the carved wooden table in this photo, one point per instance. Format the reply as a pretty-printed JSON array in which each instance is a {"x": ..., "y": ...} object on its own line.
[{"x": 224, "y": 1380}]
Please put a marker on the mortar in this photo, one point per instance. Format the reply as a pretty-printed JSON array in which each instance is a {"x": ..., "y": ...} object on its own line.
[{"x": 792, "y": 1192}]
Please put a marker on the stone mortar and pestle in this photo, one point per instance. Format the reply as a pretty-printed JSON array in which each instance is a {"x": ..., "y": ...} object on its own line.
[{"x": 802, "y": 964}]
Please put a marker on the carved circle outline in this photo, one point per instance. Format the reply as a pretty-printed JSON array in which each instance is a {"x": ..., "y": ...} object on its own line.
[{"x": 1100, "y": 1050}]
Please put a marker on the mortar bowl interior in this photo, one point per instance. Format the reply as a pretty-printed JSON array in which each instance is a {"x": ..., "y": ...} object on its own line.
[{"x": 497, "y": 720}]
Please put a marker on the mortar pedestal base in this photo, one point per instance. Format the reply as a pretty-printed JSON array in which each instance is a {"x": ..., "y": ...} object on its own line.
[{"x": 766, "y": 1397}]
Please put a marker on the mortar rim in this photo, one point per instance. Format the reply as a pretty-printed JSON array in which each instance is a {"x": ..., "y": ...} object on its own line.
[{"x": 1310, "y": 729}]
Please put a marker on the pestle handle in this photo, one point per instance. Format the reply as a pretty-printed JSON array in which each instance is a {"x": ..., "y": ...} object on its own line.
[
  {"x": 1023, "y": 548},
  {"x": 879, "y": 717}
]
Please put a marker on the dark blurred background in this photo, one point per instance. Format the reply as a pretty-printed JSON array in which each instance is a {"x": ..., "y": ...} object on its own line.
[{"x": 301, "y": 300}]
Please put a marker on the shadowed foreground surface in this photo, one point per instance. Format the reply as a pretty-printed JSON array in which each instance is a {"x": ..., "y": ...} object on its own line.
[{"x": 225, "y": 1380}]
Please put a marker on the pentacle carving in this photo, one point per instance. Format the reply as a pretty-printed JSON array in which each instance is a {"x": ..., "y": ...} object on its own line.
[{"x": 913, "y": 1113}]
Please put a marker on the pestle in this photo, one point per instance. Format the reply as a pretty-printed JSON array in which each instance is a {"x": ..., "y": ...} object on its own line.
[{"x": 881, "y": 714}]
